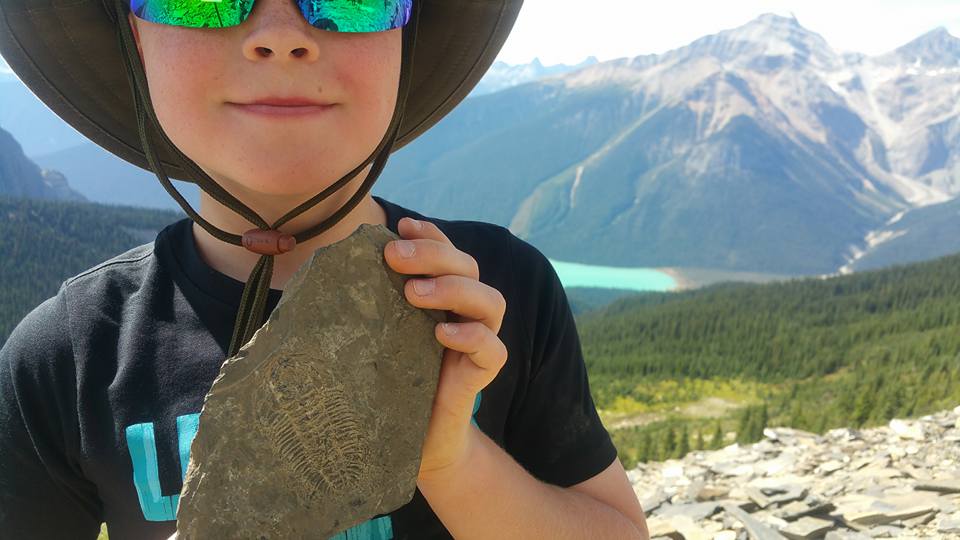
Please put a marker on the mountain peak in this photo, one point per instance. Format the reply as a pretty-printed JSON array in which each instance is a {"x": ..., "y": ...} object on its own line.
[
  {"x": 774, "y": 19},
  {"x": 768, "y": 38},
  {"x": 937, "y": 47}
]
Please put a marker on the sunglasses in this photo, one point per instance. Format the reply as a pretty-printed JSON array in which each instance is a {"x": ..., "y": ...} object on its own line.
[{"x": 332, "y": 15}]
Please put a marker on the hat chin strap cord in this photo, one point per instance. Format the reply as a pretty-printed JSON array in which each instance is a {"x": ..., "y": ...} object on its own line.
[{"x": 265, "y": 240}]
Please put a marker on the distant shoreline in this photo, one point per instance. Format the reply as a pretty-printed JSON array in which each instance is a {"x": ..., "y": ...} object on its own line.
[
  {"x": 647, "y": 279},
  {"x": 682, "y": 282},
  {"x": 695, "y": 278}
]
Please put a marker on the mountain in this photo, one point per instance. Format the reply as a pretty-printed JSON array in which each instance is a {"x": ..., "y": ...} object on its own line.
[
  {"x": 44, "y": 242},
  {"x": 937, "y": 48},
  {"x": 20, "y": 177},
  {"x": 105, "y": 178},
  {"x": 759, "y": 148},
  {"x": 93, "y": 172},
  {"x": 911, "y": 236},
  {"x": 501, "y": 75}
]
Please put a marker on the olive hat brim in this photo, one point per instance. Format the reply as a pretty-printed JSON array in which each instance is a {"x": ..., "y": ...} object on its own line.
[{"x": 68, "y": 55}]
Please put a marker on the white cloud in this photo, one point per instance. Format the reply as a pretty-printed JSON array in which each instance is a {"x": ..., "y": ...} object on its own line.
[{"x": 563, "y": 31}]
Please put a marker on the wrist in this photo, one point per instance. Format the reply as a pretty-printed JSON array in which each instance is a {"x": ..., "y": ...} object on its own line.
[{"x": 473, "y": 444}]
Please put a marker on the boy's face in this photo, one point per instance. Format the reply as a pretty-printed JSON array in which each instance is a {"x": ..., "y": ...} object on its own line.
[{"x": 195, "y": 77}]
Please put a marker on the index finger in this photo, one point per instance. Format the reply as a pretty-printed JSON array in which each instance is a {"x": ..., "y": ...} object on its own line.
[{"x": 412, "y": 228}]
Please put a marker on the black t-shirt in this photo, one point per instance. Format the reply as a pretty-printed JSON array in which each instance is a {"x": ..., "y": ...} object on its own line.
[{"x": 101, "y": 387}]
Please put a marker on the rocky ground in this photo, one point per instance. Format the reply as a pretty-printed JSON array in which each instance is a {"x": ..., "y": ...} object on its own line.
[{"x": 897, "y": 481}]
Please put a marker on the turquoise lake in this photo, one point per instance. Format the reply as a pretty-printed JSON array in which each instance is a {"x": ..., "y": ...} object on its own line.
[{"x": 612, "y": 277}]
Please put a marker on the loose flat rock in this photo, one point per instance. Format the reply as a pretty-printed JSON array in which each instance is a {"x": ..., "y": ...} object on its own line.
[
  {"x": 756, "y": 529},
  {"x": 949, "y": 524},
  {"x": 318, "y": 423},
  {"x": 806, "y": 528},
  {"x": 943, "y": 486},
  {"x": 798, "y": 509},
  {"x": 846, "y": 535},
  {"x": 695, "y": 511},
  {"x": 907, "y": 430}
]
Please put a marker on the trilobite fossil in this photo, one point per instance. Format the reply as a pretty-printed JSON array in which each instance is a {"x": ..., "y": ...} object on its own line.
[
  {"x": 318, "y": 423},
  {"x": 312, "y": 428}
]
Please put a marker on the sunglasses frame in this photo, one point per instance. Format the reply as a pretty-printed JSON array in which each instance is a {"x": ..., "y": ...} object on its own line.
[{"x": 307, "y": 8}]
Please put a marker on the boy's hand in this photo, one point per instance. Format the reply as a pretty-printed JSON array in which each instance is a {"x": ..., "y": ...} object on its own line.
[{"x": 473, "y": 355}]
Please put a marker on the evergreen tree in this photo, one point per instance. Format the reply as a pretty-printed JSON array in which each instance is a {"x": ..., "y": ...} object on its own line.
[
  {"x": 669, "y": 443},
  {"x": 744, "y": 425},
  {"x": 645, "y": 452},
  {"x": 684, "y": 447},
  {"x": 821, "y": 426},
  {"x": 862, "y": 408},
  {"x": 717, "y": 441}
]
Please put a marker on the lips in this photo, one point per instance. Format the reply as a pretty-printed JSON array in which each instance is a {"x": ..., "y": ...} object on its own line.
[
  {"x": 283, "y": 106},
  {"x": 287, "y": 102}
]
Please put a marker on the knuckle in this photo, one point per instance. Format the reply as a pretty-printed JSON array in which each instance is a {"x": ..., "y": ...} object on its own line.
[
  {"x": 434, "y": 229},
  {"x": 478, "y": 334},
  {"x": 474, "y": 267},
  {"x": 500, "y": 302},
  {"x": 457, "y": 286}
]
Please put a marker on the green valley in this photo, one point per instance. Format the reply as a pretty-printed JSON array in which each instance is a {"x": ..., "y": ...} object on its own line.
[{"x": 813, "y": 354}]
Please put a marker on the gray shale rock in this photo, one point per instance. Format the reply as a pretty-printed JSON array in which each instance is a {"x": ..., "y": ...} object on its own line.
[
  {"x": 851, "y": 484},
  {"x": 318, "y": 423}
]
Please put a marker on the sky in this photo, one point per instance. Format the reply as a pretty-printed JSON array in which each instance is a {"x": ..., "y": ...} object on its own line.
[{"x": 562, "y": 31}]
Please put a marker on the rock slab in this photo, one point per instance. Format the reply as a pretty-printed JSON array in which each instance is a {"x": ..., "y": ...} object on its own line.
[
  {"x": 318, "y": 423},
  {"x": 844, "y": 484}
]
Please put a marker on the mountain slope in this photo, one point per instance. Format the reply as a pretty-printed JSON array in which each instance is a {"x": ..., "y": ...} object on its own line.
[
  {"x": 917, "y": 235},
  {"x": 105, "y": 178},
  {"x": 20, "y": 177},
  {"x": 501, "y": 75},
  {"x": 757, "y": 149}
]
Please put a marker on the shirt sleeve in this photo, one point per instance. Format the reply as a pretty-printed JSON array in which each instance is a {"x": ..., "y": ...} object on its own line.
[
  {"x": 43, "y": 493},
  {"x": 554, "y": 432}
]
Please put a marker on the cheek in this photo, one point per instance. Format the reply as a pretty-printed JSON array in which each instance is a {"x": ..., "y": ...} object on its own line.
[
  {"x": 180, "y": 74},
  {"x": 370, "y": 72}
]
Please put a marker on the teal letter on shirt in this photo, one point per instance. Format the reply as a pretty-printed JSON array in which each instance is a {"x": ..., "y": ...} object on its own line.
[{"x": 142, "y": 444}]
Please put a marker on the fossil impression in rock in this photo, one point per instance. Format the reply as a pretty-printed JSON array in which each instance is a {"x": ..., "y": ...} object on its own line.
[{"x": 317, "y": 424}]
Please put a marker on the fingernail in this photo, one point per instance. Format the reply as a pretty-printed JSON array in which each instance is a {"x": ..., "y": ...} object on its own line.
[
  {"x": 423, "y": 287},
  {"x": 449, "y": 329},
  {"x": 417, "y": 224},
  {"x": 405, "y": 248}
]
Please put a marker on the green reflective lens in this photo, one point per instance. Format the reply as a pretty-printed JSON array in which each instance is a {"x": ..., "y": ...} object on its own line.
[
  {"x": 356, "y": 15},
  {"x": 332, "y": 15},
  {"x": 193, "y": 13}
]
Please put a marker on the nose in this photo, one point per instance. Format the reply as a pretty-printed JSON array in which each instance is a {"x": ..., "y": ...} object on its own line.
[{"x": 276, "y": 29}]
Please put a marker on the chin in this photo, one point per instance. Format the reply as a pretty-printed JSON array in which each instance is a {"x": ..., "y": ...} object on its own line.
[{"x": 296, "y": 182}]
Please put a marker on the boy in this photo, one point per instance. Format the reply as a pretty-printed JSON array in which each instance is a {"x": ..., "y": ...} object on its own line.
[{"x": 265, "y": 104}]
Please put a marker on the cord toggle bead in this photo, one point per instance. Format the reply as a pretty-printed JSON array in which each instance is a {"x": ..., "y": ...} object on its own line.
[{"x": 268, "y": 242}]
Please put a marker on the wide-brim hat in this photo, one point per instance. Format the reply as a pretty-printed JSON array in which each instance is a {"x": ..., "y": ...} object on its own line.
[{"x": 67, "y": 53}]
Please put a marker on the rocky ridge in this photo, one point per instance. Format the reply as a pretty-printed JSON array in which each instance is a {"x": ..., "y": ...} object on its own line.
[
  {"x": 21, "y": 177},
  {"x": 897, "y": 481}
]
